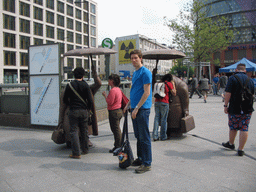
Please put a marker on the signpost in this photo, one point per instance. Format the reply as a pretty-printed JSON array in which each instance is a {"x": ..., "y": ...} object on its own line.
[{"x": 107, "y": 43}]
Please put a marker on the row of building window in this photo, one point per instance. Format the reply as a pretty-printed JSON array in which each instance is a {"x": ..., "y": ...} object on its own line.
[
  {"x": 228, "y": 55},
  {"x": 9, "y": 5},
  {"x": 10, "y": 60},
  {"x": 9, "y": 39},
  {"x": 9, "y": 23}
]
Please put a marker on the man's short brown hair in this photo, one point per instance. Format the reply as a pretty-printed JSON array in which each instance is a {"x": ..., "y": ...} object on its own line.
[
  {"x": 136, "y": 51},
  {"x": 241, "y": 67}
]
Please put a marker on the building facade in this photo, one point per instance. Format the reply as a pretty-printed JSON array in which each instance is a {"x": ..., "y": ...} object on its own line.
[
  {"x": 36, "y": 22},
  {"x": 121, "y": 60},
  {"x": 124, "y": 45},
  {"x": 241, "y": 16}
]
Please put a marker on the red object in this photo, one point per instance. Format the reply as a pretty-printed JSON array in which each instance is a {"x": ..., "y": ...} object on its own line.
[{"x": 125, "y": 100}]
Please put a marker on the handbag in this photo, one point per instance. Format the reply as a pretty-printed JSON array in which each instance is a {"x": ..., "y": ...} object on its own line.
[
  {"x": 124, "y": 153},
  {"x": 58, "y": 135},
  {"x": 125, "y": 100},
  {"x": 187, "y": 123},
  {"x": 90, "y": 112}
]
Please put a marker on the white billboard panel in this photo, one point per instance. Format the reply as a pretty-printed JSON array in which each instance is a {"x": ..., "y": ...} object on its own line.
[
  {"x": 44, "y": 59},
  {"x": 44, "y": 100},
  {"x": 44, "y": 84}
]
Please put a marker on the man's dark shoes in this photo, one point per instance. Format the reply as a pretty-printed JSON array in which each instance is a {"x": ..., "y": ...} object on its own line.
[
  {"x": 142, "y": 169},
  {"x": 137, "y": 162},
  {"x": 75, "y": 156},
  {"x": 227, "y": 145},
  {"x": 240, "y": 153}
]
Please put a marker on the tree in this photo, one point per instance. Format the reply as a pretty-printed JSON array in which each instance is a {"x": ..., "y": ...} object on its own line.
[
  {"x": 197, "y": 33},
  {"x": 180, "y": 70}
]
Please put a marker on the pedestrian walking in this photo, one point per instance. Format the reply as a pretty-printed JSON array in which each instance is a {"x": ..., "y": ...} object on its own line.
[
  {"x": 194, "y": 84},
  {"x": 222, "y": 85},
  {"x": 204, "y": 85},
  {"x": 239, "y": 118},
  {"x": 141, "y": 101}
]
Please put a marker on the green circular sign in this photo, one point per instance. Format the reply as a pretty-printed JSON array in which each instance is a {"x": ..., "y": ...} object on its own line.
[{"x": 107, "y": 43}]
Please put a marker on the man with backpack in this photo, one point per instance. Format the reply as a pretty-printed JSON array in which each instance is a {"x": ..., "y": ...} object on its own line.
[{"x": 239, "y": 107}]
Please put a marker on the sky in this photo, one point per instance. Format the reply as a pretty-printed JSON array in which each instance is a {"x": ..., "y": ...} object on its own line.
[{"x": 117, "y": 18}]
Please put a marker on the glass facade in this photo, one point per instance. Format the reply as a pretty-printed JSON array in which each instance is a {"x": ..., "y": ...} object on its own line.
[{"x": 241, "y": 16}]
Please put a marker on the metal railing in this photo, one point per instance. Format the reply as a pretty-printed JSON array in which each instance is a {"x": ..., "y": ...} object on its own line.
[{"x": 14, "y": 98}]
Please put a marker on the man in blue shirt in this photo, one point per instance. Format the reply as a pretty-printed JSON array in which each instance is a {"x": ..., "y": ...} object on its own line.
[
  {"x": 141, "y": 101},
  {"x": 238, "y": 119},
  {"x": 215, "y": 81}
]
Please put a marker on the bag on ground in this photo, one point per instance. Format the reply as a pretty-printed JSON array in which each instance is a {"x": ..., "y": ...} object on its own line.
[
  {"x": 58, "y": 135},
  {"x": 159, "y": 90},
  {"x": 124, "y": 153}
]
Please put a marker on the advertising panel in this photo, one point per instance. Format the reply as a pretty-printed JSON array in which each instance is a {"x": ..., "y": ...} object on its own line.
[
  {"x": 44, "y": 59},
  {"x": 44, "y": 100},
  {"x": 44, "y": 84}
]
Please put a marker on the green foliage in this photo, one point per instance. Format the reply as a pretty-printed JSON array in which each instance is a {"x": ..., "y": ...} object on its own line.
[
  {"x": 178, "y": 69},
  {"x": 216, "y": 62},
  {"x": 197, "y": 33}
]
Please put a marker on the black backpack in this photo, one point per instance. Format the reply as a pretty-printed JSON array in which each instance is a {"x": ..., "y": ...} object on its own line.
[{"x": 246, "y": 104}]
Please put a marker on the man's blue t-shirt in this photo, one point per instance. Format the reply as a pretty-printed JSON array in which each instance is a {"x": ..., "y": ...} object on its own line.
[
  {"x": 215, "y": 80},
  {"x": 141, "y": 77}
]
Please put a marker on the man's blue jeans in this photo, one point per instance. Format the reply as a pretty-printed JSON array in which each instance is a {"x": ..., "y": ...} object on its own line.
[
  {"x": 142, "y": 134},
  {"x": 161, "y": 114},
  {"x": 215, "y": 89}
]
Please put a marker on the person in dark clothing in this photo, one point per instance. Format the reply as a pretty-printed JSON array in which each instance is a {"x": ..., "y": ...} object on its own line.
[
  {"x": 222, "y": 85},
  {"x": 238, "y": 119},
  {"x": 78, "y": 113},
  {"x": 193, "y": 84}
]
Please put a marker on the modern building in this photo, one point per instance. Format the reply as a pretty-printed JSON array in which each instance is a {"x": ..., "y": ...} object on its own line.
[
  {"x": 72, "y": 24},
  {"x": 121, "y": 60},
  {"x": 241, "y": 16}
]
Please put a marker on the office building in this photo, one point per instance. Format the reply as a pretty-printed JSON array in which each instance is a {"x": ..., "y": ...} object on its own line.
[
  {"x": 124, "y": 45},
  {"x": 241, "y": 16},
  {"x": 36, "y": 22}
]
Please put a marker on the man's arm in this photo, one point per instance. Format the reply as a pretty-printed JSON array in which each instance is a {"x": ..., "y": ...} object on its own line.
[
  {"x": 226, "y": 99},
  {"x": 142, "y": 100}
]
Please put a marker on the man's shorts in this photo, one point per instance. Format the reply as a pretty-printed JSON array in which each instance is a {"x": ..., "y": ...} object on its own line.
[{"x": 239, "y": 122}]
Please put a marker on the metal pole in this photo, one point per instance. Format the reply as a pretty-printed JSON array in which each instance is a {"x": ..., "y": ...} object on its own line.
[{"x": 107, "y": 65}]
